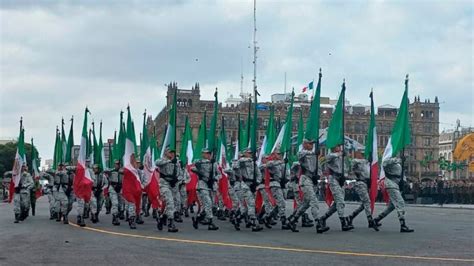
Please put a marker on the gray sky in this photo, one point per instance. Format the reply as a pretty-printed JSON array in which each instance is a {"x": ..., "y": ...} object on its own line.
[{"x": 56, "y": 58}]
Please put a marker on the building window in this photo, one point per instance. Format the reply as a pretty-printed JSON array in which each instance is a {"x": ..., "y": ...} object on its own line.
[{"x": 426, "y": 141}]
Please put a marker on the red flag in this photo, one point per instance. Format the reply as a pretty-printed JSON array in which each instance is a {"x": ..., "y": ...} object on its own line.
[
  {"x": 329, "y": 198},
  {"x": 258, "y": 202},
  {"x": 82, "y": 185},
  {"x": 267, "y": 187},
  {"x": 191, "y": 187},
  {"x": 224, "y": 189},
  {"x": 152, "y": 188}
]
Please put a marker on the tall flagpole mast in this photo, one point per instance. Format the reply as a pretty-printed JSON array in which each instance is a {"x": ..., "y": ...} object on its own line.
[{"x": 255, "y": 48}]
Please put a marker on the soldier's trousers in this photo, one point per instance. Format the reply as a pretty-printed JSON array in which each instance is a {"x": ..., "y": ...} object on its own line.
[
  {"x": 183, "y": 196},
  {"x": 360, "y": 188},
  {"x": 80, "y": 207},
  {"x": 338, "y": 194},
  {"x": 51, "y": 201},
  {"x": 396, "y": 203},
  {"x": 96, "y": 202},
  {"x": 310, "y": 199},
  {"x": 167, "y": 197},
  {"x": 21, "y": 201},
  {"x": 248, "y": 200},
  {"x": 204, "y": 196},
  {"x": 61, "y": 202},
  {"x": 267, "y": 205},
  {"x": 234, "y": 197},
  {"x": 176, "y": 197},
  {"x": 277, "y": 193},
  {"x": 144, "y": 202},
  {"x": 117, "y": 201}
]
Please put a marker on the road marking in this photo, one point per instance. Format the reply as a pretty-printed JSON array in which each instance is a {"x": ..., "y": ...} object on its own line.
[{"x": 235, "y": 245}]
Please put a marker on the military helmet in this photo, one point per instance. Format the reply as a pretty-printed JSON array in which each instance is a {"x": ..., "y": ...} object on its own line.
[{"x": 392, "y": 166}]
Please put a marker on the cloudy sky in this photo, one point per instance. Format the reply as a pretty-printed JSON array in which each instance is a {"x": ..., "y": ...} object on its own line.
[{"x": 56, "y": 57}]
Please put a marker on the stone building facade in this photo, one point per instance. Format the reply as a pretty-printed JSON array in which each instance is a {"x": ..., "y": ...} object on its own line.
[{"x": 424, "y": 116}]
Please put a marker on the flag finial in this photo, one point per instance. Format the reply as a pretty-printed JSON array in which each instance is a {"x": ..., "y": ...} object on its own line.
[
  {"x": 320, "y": 71},
  {"x": 406, "y": 80},
  {"x": 21, "y": 122}
]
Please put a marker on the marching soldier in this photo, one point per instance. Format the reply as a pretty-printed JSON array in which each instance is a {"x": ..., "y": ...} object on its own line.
[
  {"x": 97, "y": 199},
  {"x": 49, "y": 176},
  {"x": 169, "y": 171},
  {"x": 64, "y": 189},
  {"x": 115, "y": 190},
  {"x": 276, "y": 168},
  {"x": 360, "y": 168},
  {"x": 21, "y": 198},
  {"x": 309, "y": 186},
  {"x": 393, "y": 171},
  {"x": 250, "y": 175},
  {"x": 336, "y": 185},
  {"x": 241, "y": 206},
  {"x": 206, "y": 169},
  {"x": 232, "y": 194}
]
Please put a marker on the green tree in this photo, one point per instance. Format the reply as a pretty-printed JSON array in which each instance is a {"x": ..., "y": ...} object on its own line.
[{"x": 7, "y": 156}]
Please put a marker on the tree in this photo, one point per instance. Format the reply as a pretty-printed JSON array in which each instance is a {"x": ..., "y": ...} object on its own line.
[{"x": 7, "y": 156}]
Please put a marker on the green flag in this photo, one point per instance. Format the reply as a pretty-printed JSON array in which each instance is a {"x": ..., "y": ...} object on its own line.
[
  {"x": 312, "y": 124},
  {"x": 243, "y": 140},
  {"x": 271, "y": 132},
  {"x": 144, "y": 144},
  {"x": 300, "y": 132},
  {"x": 335, "y": 133},
  {"x": 170, "y": 135},
  {"x": 254, "y": 131},
  {"x": 70, "y": 143},
  {"x": 186, "y": 153},
  {"x": 56, "y": 150},
  {"x": 96, "y": 147},
  {"x": 286, "y": 141},
  {"x": 201, "y": 140},
  {"x": 401, "y": 129},
  {"x": 63, "y": 149},
  {"x": 248, "y": 126}
]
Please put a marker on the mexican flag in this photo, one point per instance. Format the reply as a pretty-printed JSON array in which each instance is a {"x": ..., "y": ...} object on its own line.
[
  {"x": 371, "y": 154},
  {"x": 187, "y": 157},
  {"x": 170, "y": 135},
  {"x": 56, "y": 150},
  {"x": 201, "y": 140},
  {"x": 269, "y": 139},
  {"x": 221, "y": 166},
  {"x": 82, "y": 185},
  {"x": 312, "y": 124},
  {"x": 20, "y": 159},
  {"x": 300, "y": 135},
  {"x": 101, "y": 149},
  {"x": 401, "y": 131},
  {"x": 131, "y": 185},
  {"x": 151, "y": 185},
  {"x": 70, "y": 143},
  {"x": 309, "y": 87},
  {"x": 335, "y": 134},
  {"x": 284, "y": 137}
]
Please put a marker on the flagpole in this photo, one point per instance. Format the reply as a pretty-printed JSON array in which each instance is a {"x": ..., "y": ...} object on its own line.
[
  {"x": 317, "y": 133},
  {"x": 343, "y": 136},
  {"x": 402, "y": 155}
]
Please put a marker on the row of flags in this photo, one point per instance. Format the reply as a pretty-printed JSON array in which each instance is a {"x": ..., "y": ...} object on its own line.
[{"x": 124, "y": 147}]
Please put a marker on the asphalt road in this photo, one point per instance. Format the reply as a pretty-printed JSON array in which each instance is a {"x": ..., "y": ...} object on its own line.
[{"x": 442, "y": 237}]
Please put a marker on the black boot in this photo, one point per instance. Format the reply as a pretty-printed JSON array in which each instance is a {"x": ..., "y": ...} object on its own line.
[
  {"x": 154, "y": 214},
  {"x": 80, "y": 221},
  {"x": 115, "y": 220},
  {"x": 177, "y": 217},
  {"x": 195, "y": 222},
  {"x": 321, "y": 226},
  {"x": 350, "y": 226},
  {"x": 372, "y": 223},
  {"x": 404, "y": 228},
  {"x": 131, "y": 222},
  {"x": 255, "y": 227},
  {"x": 248, "y": 224},
  {"x": 284, "y": 223},
  {"x": 305, "y": 221},
  {"x": 122, "y": 215},
  {"x": 139, "y": 219},
  {"x": 65, "y": 219},
  {"x": 17, "y": 218},
  {"x": 171, "y": 227},
  {"x": 58, "y": 217},
  {"x": 237, "y": 220},
  {"x": 344, "y": 226},
  {"x": 379, "y": 218},
  {"x": 292, "y": 221},
  {"x": 220, "y": 215},
  {"x": 33, "y": 209},
  {"x": 212, "y": 226},
  {"x": 186, "y": 213},
  {"x": 159, "y": 223},
  {"x": 52, "y": 215},
  {"x": 93, "y": 219}
]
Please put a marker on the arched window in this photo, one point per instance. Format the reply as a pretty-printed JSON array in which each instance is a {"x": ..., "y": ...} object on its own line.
[{"x": 190, "y": 102}]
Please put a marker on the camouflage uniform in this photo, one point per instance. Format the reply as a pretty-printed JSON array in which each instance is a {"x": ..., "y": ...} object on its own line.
[
  {"x": 208, "y": 175},
  {"x": 169, "y": 176},
  {"x": 21, "y": 198},
  {"x": 393, "y": 171},
  {"x": 309, "y": 186},
  {"x": 97, "y": 199},
  {"x": 115, "y": 190},
  {"x": 250, "y": 176},
  {"x": 64, "y": 196},
  {"x": 49, "y": 191},
  {"x": 360, "y": 168}
]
